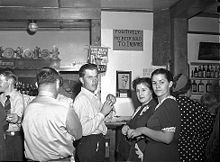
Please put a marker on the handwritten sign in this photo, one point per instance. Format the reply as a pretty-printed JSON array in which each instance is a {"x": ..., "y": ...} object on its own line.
[{"x": 124, "y": 39}]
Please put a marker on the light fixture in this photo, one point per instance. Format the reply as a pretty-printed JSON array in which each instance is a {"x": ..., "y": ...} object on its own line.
[{"x": 32, "y": 27}]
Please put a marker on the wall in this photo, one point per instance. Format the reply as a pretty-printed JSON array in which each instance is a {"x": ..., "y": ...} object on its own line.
[
  {"x": 139, "y": 62},
  {"x": 201, "y": 24},
  {"x": 73, "y": 45}
]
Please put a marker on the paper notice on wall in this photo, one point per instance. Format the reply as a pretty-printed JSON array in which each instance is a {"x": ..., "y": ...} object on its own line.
[
  {"x": 131, "y": 40},
  {"x": 99, "y": 56}
]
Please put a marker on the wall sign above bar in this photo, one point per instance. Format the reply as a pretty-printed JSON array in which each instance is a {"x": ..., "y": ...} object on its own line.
[
  {"x": 124, "y": 39},
  {"x": 99, "y": 56}
]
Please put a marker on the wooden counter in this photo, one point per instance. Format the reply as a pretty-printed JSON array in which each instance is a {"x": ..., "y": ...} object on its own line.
[{"x": 114, "y": 127}]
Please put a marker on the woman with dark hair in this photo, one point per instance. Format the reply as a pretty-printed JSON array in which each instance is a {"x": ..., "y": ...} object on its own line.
[
  {"x": 196, "y": 122},
  {"x": 144, "y": 93},
  {"x": 163, "y": 126}
]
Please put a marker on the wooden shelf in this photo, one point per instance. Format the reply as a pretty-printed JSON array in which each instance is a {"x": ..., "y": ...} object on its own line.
[
  {"x": 193, "y": 78},
  {"x": 24, "y": 64}
]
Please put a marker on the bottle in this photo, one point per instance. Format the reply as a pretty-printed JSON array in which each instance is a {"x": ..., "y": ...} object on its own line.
[
  {"x": 192, "y": 74},
  {"x": 216, "y": 72},
  {"x": 203, "y": 71},
  {"x": 194, "y": 86},
  {"x": 201, "y": 87},
  {"x": 200, "y": 72},
  {"x": 208, "y": 72},
  {"x": 208, "y": 86},
  {"x": 212, "y": 72},
  {"x": 195, "y": 72}
]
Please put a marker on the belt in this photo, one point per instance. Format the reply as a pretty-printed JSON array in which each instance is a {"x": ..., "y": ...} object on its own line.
[
  {"x": 68, "y": 158},
  {"x": 16, "y": 133}
]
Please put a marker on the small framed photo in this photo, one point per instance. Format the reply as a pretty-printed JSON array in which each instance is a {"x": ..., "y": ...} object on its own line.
[{"x": 123, "y": 83}]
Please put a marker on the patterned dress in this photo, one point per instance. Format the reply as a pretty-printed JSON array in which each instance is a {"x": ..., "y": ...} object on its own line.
[{"x": 196, "y": 126}]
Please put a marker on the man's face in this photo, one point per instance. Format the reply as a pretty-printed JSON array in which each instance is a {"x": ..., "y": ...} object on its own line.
[
  {"x": 90, "y": 80},
  {"x": 4, "y": 83}
]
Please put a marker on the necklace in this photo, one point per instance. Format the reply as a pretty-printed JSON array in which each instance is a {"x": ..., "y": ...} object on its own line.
[{"x": 158, "y": 105}]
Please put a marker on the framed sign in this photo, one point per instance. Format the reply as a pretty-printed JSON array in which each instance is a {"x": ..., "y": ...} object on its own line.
[
  {"x": 131, "y": 40},
  {"x": 123, "y": 83},
  {"x": 209, "y": 51}
]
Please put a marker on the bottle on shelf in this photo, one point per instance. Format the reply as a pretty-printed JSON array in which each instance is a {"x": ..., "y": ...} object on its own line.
[
  {"x": 201, "y": 87},
  {"x": 208, "y": 86},
  {"x": 194, "y": 86},
  {"x": 192, "y": 74},
  {"x": 208, "y": 72},
  {"x": 195, "y": 72},
  {"x": 216, "y": 72},
  {"x": 200, "y": 71},
  {"x": 212, "y": 72},
  {"x": 203, "y": 71}
]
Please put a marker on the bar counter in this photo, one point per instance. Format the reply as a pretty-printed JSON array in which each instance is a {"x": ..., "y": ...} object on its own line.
[{"x": 114, "y": 127}]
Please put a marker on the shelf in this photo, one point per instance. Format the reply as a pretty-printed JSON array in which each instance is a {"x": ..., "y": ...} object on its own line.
[
  {"x": 201, "y": 93},
  {"x": 24, "y": 63},
  {"x": 204, "y": 78},
  {"x": 204, "y": 63}
]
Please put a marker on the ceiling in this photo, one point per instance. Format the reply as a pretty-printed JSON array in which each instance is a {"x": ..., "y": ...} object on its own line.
[{"x": 76, "y": 14}]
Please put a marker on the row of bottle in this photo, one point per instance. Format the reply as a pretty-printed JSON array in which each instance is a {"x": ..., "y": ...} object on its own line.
[
  {"x": 201, "y": 87},
  {"x": 206, "y": 71},
  {"x": 26, "y": 88}
]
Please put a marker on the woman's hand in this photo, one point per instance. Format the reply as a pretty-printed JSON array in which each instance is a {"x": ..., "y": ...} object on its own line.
[
  {"x": 137, "y": 132},
  {"x": 129, "y": 133}
]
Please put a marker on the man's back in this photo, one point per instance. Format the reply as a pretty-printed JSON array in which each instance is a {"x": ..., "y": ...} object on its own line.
[{"x": 44, "y": 125}]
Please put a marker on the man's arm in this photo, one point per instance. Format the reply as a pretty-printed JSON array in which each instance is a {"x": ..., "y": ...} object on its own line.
[{"x": 73, "y": 124}]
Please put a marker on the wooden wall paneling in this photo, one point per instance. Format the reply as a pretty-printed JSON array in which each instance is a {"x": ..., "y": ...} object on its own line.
[
  {"x": 18, "y": 13},
  {"x": 30, "y": 3},
  {"x": 189, "y": 8},
  {"x": 80, "y": 3},
  {"x": 95, "y": 33},
  {"x": 161, "y": 38},
  {"x": 179, "y": 50},
  {"x": 80, "y": 13}
]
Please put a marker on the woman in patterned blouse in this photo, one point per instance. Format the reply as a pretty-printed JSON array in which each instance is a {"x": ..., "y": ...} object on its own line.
[{"x": 196, "y": 122}]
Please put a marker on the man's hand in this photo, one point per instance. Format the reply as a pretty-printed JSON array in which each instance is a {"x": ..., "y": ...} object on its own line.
[
  {"x": 107, "y": 107},
  {"x": 12, "y": 118}
]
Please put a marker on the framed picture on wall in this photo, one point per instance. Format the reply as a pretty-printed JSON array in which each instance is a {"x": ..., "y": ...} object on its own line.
[
  {"x": 123, "y": 83},
  {"x": 209, "y": 51}
]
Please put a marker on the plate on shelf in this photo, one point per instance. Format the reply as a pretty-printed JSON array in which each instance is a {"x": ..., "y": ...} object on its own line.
[
  {"x": 28, "y": 53},
  {"x": 45, "y": 54},
  {"x": 8, "y": 53}
]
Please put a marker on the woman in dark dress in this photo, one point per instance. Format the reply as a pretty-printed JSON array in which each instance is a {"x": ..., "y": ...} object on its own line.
[
  {"x": 144, "y": 93},
  {"x": 163, "y": 126}
]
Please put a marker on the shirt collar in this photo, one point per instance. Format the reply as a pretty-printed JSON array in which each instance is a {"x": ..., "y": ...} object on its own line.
[
  {"x": 10, "y": 93},
  {"x": 88, "y": 93}
]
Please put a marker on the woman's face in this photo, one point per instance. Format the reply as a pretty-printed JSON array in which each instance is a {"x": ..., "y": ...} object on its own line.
[
  {"x": 143, "y": 93},
  {"x": 161, "y": 85}
]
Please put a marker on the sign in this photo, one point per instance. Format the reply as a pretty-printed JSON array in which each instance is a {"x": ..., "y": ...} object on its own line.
[
  {"x": 99, "y": 56},
  {"x": 124, "y": 39}
]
